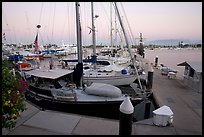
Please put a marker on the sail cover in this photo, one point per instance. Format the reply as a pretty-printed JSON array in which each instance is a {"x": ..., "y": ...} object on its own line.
[{"x": 102, "y": 89}]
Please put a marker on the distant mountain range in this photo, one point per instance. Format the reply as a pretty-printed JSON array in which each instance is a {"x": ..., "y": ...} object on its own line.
[{"x": 172, "y": 42}]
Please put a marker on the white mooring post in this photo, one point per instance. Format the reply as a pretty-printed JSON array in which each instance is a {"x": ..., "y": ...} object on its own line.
[{"x": 126, "y": 116}]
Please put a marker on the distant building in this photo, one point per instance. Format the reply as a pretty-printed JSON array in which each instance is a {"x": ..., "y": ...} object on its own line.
[{"x": 192, "y": 74}]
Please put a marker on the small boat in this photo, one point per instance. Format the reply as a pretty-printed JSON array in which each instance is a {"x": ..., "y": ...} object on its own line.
[
  {"x": 19, "y": 55},
  {"x": 24, "y": 66},
  {"x": 15, "y": 57}
]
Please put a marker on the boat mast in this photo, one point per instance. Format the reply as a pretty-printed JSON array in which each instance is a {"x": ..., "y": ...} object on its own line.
[
  {"x": 79, "y": 67},
  {"x": 111, "y": 32},
  {"x": 78, "y": 27},
  {"x": 93, "y": 36},
  {"x": 127, "y": 43}
]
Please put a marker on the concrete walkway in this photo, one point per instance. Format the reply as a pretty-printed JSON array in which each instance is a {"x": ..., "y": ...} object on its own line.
[
  {"x": 185, "y": 103},
  {"x": 37, "y": 122}
]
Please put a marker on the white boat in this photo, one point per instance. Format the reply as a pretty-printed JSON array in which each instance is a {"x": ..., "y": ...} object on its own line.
[
  {"x": 110, "y": 73},
  {"x": 107, "y": 71},
  {"x": 66, "y": 49},
  {"x": 114, "y": 74}
]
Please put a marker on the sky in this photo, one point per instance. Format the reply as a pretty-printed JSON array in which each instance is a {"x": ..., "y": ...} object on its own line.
[{"x": 155, "y": 20}]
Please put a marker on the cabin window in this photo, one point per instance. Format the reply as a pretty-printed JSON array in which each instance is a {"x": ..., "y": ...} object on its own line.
[
  {"x": 102, "y": 63},
  {"x": 191, "y": 72},
  {"x": 86, "y": 68}
]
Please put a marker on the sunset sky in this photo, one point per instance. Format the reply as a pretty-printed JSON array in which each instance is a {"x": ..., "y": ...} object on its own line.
[{"x": 156, "y": 20}]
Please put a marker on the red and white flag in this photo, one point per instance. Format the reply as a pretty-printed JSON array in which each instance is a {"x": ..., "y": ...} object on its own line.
[{"x": 36, "y": 42}]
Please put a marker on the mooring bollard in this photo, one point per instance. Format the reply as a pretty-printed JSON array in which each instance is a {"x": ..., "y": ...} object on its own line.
[
  {"x": 150, "y": 78},
  {"x": 126, "y": 117},
  {"x": 156, "y": 61}
]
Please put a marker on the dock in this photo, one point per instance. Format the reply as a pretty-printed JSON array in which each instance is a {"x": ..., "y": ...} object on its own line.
[
  {"x": 185, "y": 103},
  {"x": 34, "y": 121}
]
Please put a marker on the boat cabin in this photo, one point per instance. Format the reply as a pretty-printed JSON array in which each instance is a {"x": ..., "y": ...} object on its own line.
[{"x": 192, "y": 74}]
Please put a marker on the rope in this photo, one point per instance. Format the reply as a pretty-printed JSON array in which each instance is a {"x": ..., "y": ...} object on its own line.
[
  {"x": 41, "y": 13},
  {"x": 53, "y": 22},
  {"x": 6, "y": 34},
  {"x": 129, "y": 28},
  {"x": 124, "y": 32}
]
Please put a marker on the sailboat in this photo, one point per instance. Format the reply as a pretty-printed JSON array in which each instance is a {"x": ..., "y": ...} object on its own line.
[
  {"x": 64, "y": 89},
  {"x": 113, "y": 73},
  {"x": 106, "y": 71}
]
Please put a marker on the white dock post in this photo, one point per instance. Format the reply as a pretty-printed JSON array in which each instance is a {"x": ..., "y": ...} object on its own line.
[{"x": 126, "y": 117}]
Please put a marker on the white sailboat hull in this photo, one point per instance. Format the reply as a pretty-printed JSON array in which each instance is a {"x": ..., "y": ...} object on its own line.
[{"x": 112, "y": 80}]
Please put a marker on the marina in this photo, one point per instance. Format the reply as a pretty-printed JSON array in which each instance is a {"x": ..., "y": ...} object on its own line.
[
  {"x": 57, "y": 67},
  {"x": 139, "y": 110},
  {"x": 159, "y": 97},
  {"x": 125, "y": 88},
  {"x": 179, "y": 98},
  {"x": 64, "y": 89}
]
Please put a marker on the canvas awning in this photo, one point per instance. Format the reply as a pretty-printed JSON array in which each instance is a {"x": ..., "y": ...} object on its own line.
[
  {"x": 196, "y": 65},
  {"x": 51, "y": 74}
]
